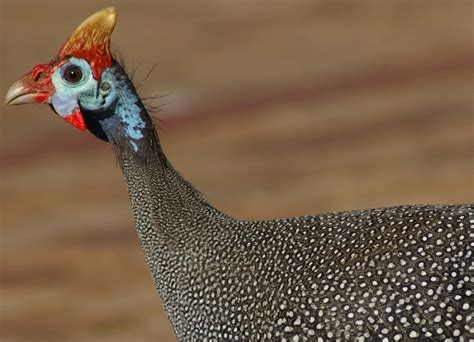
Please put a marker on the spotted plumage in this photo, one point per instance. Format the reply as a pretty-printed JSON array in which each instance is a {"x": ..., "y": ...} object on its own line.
[{"x": 389, "y": 274}]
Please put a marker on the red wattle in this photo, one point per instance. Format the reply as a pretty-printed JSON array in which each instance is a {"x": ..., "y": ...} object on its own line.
[
  {"x": 42, "y": 97},
  {"x": 77, "y": 120}
]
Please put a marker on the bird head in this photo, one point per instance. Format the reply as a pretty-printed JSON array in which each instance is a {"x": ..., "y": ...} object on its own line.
[{"x": 83, "y": 84}]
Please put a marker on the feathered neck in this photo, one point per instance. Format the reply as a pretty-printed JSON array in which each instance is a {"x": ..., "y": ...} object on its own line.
[{"x": 144, "y": 163}]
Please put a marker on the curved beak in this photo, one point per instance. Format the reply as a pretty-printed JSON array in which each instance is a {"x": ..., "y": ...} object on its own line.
[
  {"x": 37, "y": 87},
  {"x": 19, "y": 94},
  {"x": 29, "y": 89}
]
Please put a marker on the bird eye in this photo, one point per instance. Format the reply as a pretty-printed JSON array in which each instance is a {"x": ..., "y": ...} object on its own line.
[{"x": 72, "y": 74}]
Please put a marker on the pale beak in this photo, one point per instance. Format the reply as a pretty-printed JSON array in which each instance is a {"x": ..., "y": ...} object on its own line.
[
  {"x": 26, "y": 90},
  {"x": 36, "y": 87}
]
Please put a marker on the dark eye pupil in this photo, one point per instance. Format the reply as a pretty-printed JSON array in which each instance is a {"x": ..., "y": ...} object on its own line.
[{"x": 72, "y": 74}]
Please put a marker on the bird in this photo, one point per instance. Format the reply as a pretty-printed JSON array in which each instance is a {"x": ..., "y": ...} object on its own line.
[{"x": 382, "y": 274}]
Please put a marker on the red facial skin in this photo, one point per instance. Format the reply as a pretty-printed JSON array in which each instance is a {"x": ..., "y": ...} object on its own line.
[
  {"x": 77, "y": 120},
  {"x": 90, "y": 42},
  {"x": 99, "y": 57},
  {"x": 38, "y": 83}
]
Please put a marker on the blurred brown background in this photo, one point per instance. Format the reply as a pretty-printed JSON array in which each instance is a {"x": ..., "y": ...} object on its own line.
[{"x": 277, "y": 109}]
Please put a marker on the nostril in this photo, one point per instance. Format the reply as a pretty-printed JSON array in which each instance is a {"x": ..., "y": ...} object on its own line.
[
  {"x": 39, "y": 72},
  {"x": 40, "y": 76}
]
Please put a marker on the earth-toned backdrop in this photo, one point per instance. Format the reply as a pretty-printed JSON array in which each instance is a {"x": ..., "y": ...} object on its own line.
[{"x": 272, "y": 109}]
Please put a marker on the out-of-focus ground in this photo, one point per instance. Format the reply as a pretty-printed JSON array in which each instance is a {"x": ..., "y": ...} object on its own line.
[{"x": 278, "y": 109}]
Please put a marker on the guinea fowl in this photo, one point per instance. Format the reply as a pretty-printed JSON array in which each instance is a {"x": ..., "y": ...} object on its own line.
[{"x": 381, "y": 274}]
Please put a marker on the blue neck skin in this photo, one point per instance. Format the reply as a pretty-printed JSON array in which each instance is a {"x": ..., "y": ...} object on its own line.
[{"x": 122, "y": 119}]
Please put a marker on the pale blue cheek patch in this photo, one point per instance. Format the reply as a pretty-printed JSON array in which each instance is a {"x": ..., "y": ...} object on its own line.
[
  {"x": 64, "y": 99},
  {"x": 64, "y": 104}
]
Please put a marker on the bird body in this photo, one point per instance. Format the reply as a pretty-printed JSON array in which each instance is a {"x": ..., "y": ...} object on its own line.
[
  {"x": 389, "y": 274},
  {"x": 379, "y": 273}
]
